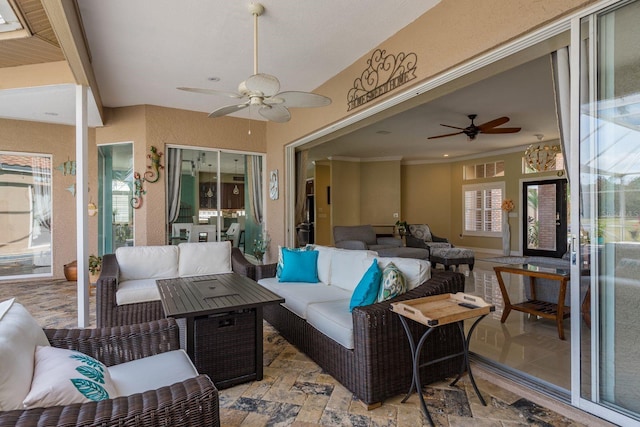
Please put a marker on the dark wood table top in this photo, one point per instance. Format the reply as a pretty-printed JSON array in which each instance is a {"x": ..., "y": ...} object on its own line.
[{"x": 217, "y": 293}]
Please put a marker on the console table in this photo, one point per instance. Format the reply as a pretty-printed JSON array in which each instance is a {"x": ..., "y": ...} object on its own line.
[
  {"x": 435, "y": 311},
  {"x": 548, "y": 310},
  {"x": 223, "y": 314}
]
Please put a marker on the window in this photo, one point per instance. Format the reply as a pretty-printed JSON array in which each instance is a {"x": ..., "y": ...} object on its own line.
[
  {"x": 8, "y": 18},
  {"x": 25, "y": 215},
  {"x": 482, "y": 209},
  {"x": 484, "y": 170}
]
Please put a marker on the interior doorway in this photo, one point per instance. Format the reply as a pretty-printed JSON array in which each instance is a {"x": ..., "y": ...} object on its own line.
[{"x": 544, "y": 218}]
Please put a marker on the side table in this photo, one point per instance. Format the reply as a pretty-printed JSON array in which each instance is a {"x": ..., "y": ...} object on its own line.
[{"x": 435, "y": 311}]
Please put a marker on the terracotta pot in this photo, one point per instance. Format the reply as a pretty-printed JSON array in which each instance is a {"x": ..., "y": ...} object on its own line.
[{"x": 71, "y": 271}]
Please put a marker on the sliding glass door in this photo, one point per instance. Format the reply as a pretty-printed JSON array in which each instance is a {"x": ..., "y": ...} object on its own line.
[{"x": 609, "y": 209}]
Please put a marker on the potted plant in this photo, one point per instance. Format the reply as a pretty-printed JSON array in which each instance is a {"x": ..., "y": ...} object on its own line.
[
  {"x": 402, "y": 227},
  {"x": 95, "y": 265}
]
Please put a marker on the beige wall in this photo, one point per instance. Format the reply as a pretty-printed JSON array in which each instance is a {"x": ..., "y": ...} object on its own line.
[
  {"x": 322, "y": 180},
  {"x": 59, "y": 142},
  {"x": 479, "y": 27},
  {"x": 345, "y": 193},
  {"x": 379, "y": 192}
]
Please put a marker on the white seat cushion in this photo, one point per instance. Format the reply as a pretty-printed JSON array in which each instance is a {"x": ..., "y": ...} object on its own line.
[
  {"x": 151, "y": 373},
  {"x": 333, "y": 319},
  {"x": 20, "y": 334},
  {"x": 415, "y": 271},
  {"x": 133, "y": 291},
  {"x": 147, "y": 262},
  {"x": 298, "y": 295},
  {"x": 198, "y": 259},
  {"x": 348, "y": 267}
]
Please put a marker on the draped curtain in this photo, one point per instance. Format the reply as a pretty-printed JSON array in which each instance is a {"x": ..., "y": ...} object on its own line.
[
  {"x": 561, "y": 83},
  {"x": 41, "y": 193},
  {"x": 301, "y": 184},
  {"x": 174, "y": 182},
  {"x": 254, "y": 188}
]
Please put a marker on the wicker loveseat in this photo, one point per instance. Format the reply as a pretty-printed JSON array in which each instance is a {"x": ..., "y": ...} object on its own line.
[
  {"x": 378, "y": 365},
  {"x": 180, "y": 396},
  {"x": 154, "y": 265}
]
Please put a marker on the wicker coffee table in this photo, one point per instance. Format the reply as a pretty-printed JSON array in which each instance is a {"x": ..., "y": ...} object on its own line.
[{"x": 223, "y": 314}]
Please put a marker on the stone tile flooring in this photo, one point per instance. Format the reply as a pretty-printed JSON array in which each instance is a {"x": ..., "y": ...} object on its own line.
[{"x": 295, "y": 391}]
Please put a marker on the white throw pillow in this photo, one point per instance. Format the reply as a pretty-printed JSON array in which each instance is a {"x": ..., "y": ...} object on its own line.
[
  {"x": 64, "y": 377},
  {"x": 415, "y": 271},
  {"x": 147, "y": 262},
  {"x": 19, "y": 336},
  {"x": 199, "y": 259},
  {"x": 348, "y": 266}
]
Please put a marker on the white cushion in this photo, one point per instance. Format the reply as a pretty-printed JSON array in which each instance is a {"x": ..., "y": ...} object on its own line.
[
  {"x": 298, "y": 295},
  {"x": 64, "y": 377},
  {"x": 19, "y": 336},
  {"x": 147, "y": 262},
  {"x": 333, "y": 319},
  {"x": 198, "y": 259},
  {"x": 324, "y": 262},
  {"x": 415, "y": 271},
  {"x": 151, "y": 373},
  {"x": 348, "y": 266},
  {"x": 133, "y": 291}
]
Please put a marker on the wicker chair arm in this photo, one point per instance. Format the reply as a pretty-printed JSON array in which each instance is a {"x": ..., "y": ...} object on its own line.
[
  {"x": 265, "y": 270},
  {"x": 193, "y": 402},
  {"x": 242, "y": 265},
  {"x": 106, "y": 288},
  {"x": 121, "y": 343}
]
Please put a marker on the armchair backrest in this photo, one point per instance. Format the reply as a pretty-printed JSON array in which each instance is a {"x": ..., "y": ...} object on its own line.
[
  {"x": 421, "y": 231},
  {"x": 363, "y": 233}
]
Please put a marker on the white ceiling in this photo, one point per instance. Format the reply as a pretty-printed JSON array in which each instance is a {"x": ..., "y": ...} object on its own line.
[{"x": 142, "y": 50}]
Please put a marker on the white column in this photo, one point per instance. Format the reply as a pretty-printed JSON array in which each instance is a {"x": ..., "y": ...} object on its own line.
[{"x": 82, "y": 144}]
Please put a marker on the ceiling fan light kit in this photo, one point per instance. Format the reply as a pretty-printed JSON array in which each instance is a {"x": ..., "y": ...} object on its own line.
[
  {"x": 473, "y": 130},
  {"x": 262, "y": 90}
]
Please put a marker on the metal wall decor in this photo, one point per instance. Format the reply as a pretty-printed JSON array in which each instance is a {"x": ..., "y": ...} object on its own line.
[
  {"x": 68, "y": 167},
  {"x": 151, "y": 175},
  {"x": 383, "y": 74}
]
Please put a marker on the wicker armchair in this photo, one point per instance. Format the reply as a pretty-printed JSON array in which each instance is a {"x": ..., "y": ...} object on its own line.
[
  {"x": 193, "y": 402},
  {"x": 109, "y": 313}
]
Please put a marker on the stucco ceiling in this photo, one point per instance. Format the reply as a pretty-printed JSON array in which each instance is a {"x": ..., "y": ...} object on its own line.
[{"x": 142, "y": 50}]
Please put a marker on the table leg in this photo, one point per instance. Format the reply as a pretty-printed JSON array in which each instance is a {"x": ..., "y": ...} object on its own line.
[
  {"x": 505, "y": 297},
  {"x": 258, "y": 326},
  {"x": 412, "y": 346},
  {"x": 465, "y": 341}
]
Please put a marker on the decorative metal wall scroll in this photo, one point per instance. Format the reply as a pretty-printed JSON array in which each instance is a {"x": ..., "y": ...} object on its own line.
[
  {"x": 151, "y": 175},
  {"x": 384, "y": 74},
  {"x": 68, "y": 167}
]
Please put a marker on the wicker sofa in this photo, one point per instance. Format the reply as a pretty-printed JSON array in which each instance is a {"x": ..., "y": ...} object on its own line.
[
  {"x": 148, "y": 263},
  {"x": 378, "y": 365},
  {"x": 180, "y": 397}
]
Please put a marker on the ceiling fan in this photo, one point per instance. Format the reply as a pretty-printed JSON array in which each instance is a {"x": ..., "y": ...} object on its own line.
[
  {"x": 261, "y": 90},
  {"x": 473, "y": 130}
]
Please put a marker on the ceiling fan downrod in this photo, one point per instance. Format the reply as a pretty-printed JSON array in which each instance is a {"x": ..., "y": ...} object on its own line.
[{"x": 256, "y": 9}]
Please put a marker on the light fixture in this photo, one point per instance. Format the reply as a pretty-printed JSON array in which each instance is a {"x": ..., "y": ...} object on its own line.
[
  {"x": 236, "y": 190},
  {"x": 541, "y": 157}
]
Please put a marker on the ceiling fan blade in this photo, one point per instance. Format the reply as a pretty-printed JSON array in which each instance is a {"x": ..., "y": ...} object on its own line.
[
  {"x": 442, "y": 136},
  {"x": 223, "y": 111},
  {"x": 265, "y": 84},
  {"x": 211, "y": 92},
  {"x": 295, "y": 99},
  {"x": 501, "y": 130},
  {"x": 453, "y": 127},
  {"x": 493, "y": 123},
  {"x": 276, "y": 113}
]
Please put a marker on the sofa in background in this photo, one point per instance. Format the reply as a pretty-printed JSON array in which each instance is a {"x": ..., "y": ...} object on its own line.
[
  {"x": 126, "y": 289},
  {"x": 367, "y": 349},
  {"x": 363, "y": 237},
  {"x": 137, "y": 388}
]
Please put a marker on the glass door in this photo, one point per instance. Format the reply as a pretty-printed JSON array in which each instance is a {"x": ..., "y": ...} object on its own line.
[
  {"x": 609, "y": 209},
  {"x": 545, "y": 227}
]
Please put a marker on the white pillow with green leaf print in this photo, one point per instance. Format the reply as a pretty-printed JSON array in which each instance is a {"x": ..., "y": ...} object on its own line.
[{"x": 63, "y": 377}]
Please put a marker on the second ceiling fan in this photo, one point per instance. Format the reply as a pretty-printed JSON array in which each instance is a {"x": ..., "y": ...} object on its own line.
[
  {"x": 473, "y": 130},
  {"x": 262, "y": 90}
]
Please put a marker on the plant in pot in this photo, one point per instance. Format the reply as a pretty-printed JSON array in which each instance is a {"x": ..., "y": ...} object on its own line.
[
  {"x": 95, "y": 265},
  {"x": 403, "y": 227}
]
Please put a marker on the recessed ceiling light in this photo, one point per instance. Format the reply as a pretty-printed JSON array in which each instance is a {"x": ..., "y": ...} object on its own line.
[
  {"x": 383, "y": 132},
  {"x": 446, "y": 155},
  {"x": 49, "y": 113},
  {"x": 213, "y": 79}
]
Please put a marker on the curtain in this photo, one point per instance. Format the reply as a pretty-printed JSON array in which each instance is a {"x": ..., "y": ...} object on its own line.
[
  {"x": 254, "y": 188},
  {"x": 561, "y": 83},
  {"x": 174, "y": 182},
  {"x": 301, "y": 184},
  {"x": 41, "y": 193}
]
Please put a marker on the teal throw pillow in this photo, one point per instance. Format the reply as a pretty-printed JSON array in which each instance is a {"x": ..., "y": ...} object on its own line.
[
  {"x": 367, "y": 290},
  {"x": 280, "y": 263},
  {"x": 299, "y": 266},
  {"x": 393, "y": 283}
]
